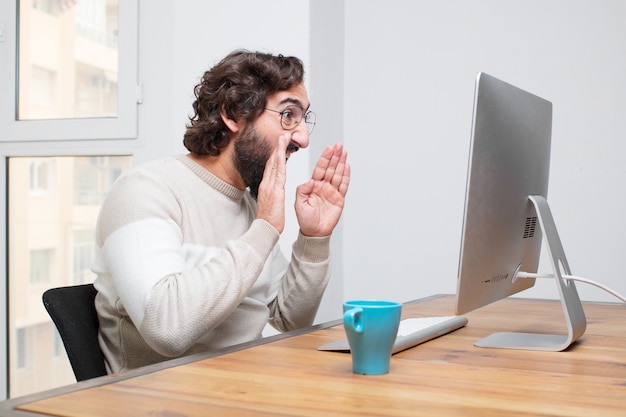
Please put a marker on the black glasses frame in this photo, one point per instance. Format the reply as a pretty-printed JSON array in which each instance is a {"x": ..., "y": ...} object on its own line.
[{"x": 308, "y": 116}]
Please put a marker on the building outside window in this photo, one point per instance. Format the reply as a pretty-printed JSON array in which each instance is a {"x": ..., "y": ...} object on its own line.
[{"x": 51, "y": 244}]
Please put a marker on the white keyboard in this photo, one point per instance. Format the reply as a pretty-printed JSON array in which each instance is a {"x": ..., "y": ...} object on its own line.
[{"x": 412, "y": 332}]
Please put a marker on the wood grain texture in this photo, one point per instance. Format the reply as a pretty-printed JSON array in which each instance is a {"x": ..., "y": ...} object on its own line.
[{"x": 444, "y": 377}]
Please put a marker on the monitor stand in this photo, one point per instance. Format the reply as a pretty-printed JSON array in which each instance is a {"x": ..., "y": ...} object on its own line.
[{"x": 572, "y": 307}]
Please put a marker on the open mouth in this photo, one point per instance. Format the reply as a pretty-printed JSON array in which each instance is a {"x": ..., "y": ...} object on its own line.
[{"x": 291, "y": 148}]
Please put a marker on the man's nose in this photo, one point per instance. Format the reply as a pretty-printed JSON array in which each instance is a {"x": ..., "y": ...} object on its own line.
[{"x": 300, "y": 135}]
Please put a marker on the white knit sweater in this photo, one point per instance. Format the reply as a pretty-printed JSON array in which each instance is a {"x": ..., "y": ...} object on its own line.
[{"x": 183, "y": 267}]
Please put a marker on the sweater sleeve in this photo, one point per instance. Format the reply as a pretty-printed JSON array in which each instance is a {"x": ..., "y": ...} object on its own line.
[
  {"x": 303, "y": 285},
  {"x": 183, "y": 306}
]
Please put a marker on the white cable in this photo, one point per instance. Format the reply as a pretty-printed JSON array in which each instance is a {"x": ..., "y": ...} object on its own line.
[{"x": 574, "y": 278}]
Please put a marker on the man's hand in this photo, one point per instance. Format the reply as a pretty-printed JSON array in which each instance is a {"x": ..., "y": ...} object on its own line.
[
  {"x": 320, "y": 202},
  {"x": 271, "y": 198}
]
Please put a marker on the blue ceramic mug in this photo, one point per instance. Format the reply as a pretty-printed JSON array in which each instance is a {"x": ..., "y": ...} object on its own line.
[{"x": 371, "y": 327}]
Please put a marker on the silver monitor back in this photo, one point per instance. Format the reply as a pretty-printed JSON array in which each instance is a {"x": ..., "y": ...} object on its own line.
[
  {"x": 507, "y": 214},
  {"x": 509, "y": 160}
]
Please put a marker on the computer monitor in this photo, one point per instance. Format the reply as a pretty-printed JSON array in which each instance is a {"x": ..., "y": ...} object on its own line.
[{"x": 506, "y": 212}]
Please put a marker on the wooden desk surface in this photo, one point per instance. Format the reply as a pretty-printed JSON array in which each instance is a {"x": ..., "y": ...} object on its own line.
[{"x": 444, "y": 377}]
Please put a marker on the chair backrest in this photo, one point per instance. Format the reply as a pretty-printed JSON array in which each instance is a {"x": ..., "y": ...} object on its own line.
[{"x": 74, "y": 314}]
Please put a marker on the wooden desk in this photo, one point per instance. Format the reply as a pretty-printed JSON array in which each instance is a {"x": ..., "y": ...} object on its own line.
[{"x": 445, "y": 377}]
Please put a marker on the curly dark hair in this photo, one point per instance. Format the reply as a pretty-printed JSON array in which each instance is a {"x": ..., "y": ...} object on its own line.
[{"x": 241, "y": 83}]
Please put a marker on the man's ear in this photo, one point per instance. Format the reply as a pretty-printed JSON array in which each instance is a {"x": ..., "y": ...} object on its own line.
[{"x": 233, "y": 125}]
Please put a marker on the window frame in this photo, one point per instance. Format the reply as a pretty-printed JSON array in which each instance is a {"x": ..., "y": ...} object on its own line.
[
  {"x": 124, "y": 126},
  {"x": 71, "y": 137}
]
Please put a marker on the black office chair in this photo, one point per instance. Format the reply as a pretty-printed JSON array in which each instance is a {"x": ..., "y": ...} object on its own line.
[{"x": 73, "y": 312}]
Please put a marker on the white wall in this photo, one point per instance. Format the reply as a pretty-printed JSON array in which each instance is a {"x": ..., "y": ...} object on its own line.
[
  {"x": 409, "y": 83},
  {"x": 327, "y": 22},
  {"x": 394, "y": 80}
]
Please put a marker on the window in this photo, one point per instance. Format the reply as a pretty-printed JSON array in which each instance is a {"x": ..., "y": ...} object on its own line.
[
  {"x": 41, "y": 266},
  {"x": 78, "y": 41},
  {"x": 76, "y": 73},
  {"x": 52, "y": 244},
  {"x": 83, "y": 249},
  {"x": 59, "y": 348},
  {"x": 68, "y": 124},
  {"x": 22, "y": 359},
  {"x": 41, "y": 172},
  {"x": 42, "y": 92},
  {"x": 40, "y": 360},
  {"x": 93, "y": 176}
]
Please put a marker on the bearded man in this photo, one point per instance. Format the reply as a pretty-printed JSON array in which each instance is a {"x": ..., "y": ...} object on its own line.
[{"x": 187, "y": 246}]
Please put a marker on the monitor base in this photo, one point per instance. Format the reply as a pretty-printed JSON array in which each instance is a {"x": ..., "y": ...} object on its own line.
[
  {"x": 525, "y": 341},
  {"x": 570, "y": 302}
]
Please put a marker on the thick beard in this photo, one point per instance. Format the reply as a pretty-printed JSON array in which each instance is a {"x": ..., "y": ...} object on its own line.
[{"x": 251, "y": 154}]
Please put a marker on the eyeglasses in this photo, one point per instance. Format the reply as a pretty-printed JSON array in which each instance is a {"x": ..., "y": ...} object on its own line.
[{"x": 293, "y": 115}]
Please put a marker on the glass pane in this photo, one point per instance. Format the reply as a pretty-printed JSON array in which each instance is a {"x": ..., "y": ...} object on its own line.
[
  {"x": 53, "y": 207},
  {"x": 68, "y": 59}
]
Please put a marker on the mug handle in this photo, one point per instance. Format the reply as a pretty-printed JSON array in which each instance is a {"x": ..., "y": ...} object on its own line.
[{"x": 353, "y": 320}]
